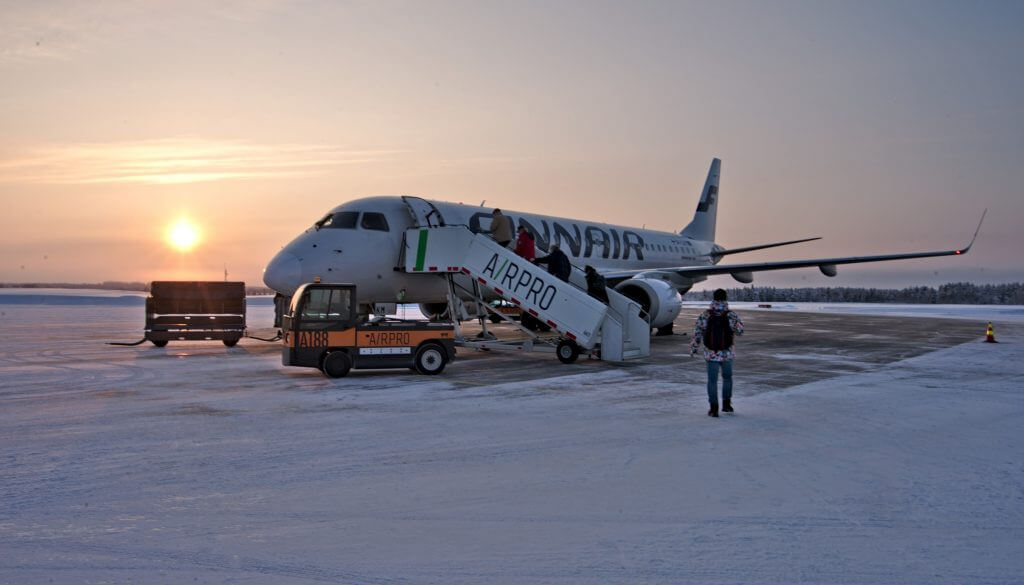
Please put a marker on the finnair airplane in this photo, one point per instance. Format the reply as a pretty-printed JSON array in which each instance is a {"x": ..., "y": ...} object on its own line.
[{"x": 361, "y": 242}]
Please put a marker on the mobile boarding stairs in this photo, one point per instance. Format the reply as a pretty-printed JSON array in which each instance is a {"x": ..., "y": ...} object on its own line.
[{"x": 474, "y": 266}]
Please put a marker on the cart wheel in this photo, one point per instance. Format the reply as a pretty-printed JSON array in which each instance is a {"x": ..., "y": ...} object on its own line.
[
  {"x": 230, "y": 342},
  {"x": 336, "y": 364},
  {"x": 431, "y": 359},
  {"x": 494, "y": 318},
  {"x": 567, "y": 351},
  {"x": 158, "y": 342},
  {"x": 527, "y": 321}
]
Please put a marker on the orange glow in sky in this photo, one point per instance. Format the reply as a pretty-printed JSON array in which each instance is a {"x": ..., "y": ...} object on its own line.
[{"x": 902, "y": 131}]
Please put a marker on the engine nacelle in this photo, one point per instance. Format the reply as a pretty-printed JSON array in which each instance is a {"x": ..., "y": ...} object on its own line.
[
  {"x": 434, "y": 311},
  {"x": 439, "y": 311},
  {"x": 657, "y": 298}
]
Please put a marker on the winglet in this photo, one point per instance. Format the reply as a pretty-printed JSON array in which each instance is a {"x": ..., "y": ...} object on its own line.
[{"x": 978, "y": 229}]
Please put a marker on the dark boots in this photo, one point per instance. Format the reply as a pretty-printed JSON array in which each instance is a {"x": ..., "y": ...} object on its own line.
[{"x": 726, "y": 407}]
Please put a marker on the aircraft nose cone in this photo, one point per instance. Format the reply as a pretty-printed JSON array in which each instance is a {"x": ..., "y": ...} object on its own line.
[{"x": 284, "y": 273}]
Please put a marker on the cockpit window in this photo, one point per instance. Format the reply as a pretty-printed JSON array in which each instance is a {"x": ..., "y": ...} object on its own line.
[
  {"x": 375, "y": 221},
  {"x": 342, "y": 220}
]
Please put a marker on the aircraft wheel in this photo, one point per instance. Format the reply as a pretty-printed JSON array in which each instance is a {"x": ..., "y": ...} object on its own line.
[
  {"x": 336, "y": 364},
  {"x": 666, "y": 330},
  {"x": 158, "y": 342},
  {"x": 431, "y": 359},
  {"x": 567, "y": 351}
]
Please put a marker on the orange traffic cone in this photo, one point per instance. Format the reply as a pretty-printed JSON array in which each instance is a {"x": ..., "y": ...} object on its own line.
[{"x": 990, "y": 334}]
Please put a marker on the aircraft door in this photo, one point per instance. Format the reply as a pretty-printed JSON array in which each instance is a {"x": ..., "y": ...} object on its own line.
[{"x": 423, "y": 212}]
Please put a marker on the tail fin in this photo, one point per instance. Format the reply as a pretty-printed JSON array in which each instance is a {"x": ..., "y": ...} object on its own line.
[{"x": 702, "y": 226}]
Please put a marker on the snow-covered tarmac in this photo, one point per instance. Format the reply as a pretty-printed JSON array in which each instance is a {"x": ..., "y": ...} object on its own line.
[{"x": 198, "y": 463}]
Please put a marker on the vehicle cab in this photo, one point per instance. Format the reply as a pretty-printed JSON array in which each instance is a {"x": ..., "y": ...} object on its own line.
[{"x": 323, "y": 329}]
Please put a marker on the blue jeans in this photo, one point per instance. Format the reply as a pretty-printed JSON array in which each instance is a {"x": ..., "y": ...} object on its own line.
[{"x": 713, "y": 368}]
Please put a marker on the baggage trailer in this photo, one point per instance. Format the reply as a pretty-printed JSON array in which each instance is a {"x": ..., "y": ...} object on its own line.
[
  {"x": 322, "y": 329},
  {"x": 195, "y": 310}
]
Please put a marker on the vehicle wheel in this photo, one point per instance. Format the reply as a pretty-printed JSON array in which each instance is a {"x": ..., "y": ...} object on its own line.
[
  {"x": 431, "y": 359},
  {"x": 158, "y": 342},
  {"x": 666, "y": 330},
  {"x": 567, "y": 351},
  {"x": 230, "y": 342},
  {"x": 494, "y": 318},
  {"x": 336, "y": 364}
]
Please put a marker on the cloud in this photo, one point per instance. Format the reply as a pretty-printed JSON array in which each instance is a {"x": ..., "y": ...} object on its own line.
[
  {"x": 170, "y": 161},
  {"x": 61, "y": 30}
]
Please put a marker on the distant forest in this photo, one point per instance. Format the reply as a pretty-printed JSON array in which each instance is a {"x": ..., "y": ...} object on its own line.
[
  {"x": 954, "y": 293},
  {"x": 114, "y": 285}
]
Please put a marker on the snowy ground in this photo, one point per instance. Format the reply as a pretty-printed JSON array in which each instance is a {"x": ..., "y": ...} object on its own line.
[
  {"x": 998, "y": 313},
  {"x": 198, "y": 463}
]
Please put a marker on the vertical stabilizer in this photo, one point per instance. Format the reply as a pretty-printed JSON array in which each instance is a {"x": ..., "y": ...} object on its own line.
[{"x": 702, "y": 226}]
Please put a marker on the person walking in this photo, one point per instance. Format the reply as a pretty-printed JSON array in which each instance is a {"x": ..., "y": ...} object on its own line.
[
  {"x": 596, "y": 285},
  {"x": 501, "y": 228},
  {"x": 716, "y": 328},
  {"x": 524, "y": 245},
  {"x": 558, "y": 263}
]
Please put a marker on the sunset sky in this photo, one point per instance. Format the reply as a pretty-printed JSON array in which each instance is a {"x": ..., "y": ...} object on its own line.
[{"x": 883, "y": 127}]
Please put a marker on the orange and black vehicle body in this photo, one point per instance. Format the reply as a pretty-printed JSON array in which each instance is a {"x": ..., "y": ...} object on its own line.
[{"x": 323, "y": 330}]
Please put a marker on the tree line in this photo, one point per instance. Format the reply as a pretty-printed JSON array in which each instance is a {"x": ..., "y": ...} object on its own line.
[
  {"x": 954, "y": 293},
  {"x": 113, "y": 285}
]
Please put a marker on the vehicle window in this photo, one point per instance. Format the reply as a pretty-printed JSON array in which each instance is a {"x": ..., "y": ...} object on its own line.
[
  {"x": 323, "y": 306},
  {"x": 342, "y": 220},
  {"x": 375, "y": 221},
  {"x": 316, "y": 304},
  {"x": 341, "y": 304}
]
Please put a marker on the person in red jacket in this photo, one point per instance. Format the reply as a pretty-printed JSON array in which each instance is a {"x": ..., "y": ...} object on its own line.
[{"x": 524, "y": 244}]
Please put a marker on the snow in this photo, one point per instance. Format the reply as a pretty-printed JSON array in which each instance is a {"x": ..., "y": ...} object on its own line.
[
  {"x": 199, "y": 463},
  {"x": 1003, "y": 313}
]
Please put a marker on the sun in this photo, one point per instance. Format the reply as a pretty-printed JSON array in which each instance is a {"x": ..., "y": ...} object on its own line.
[{"x": 183, "y": 235}]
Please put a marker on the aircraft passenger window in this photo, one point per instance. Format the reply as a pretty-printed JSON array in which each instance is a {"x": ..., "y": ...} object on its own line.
[{"x": 375, "y": 221}]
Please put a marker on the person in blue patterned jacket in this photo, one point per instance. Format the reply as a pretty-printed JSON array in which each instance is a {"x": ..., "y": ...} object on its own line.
[{"x": 715, "y": 330}]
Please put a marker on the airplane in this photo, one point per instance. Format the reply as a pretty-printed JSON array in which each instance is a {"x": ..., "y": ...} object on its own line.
[{"x": 361, "y": 242}]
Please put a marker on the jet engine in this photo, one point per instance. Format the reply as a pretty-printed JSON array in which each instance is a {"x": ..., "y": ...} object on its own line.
[
  {"x": 657, "y": 298},
  {"x": 434, "y": 311},
  {"x": 439, "y": 311}
]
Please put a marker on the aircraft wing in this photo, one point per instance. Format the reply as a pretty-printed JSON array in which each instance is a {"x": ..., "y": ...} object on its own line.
[
  {"x": 761, "y": 247},
  {"x": 743, "y": 272}
]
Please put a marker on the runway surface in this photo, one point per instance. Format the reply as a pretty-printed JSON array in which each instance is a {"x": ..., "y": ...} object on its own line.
[{"x": 864, "y": 449}]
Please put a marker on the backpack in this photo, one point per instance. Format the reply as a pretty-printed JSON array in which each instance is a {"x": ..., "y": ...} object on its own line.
[{"x": 718, "y": 332}]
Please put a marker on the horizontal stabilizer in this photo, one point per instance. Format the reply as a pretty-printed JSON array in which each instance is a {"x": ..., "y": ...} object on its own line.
[{"x": 762, "y": 247}]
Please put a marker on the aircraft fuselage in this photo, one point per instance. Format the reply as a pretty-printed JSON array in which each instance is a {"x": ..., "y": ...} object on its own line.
[{"x": 359, "y": 251}]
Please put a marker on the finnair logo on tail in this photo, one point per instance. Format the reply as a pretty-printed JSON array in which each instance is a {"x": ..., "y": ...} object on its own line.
[{"x": 708, "y": 201}]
